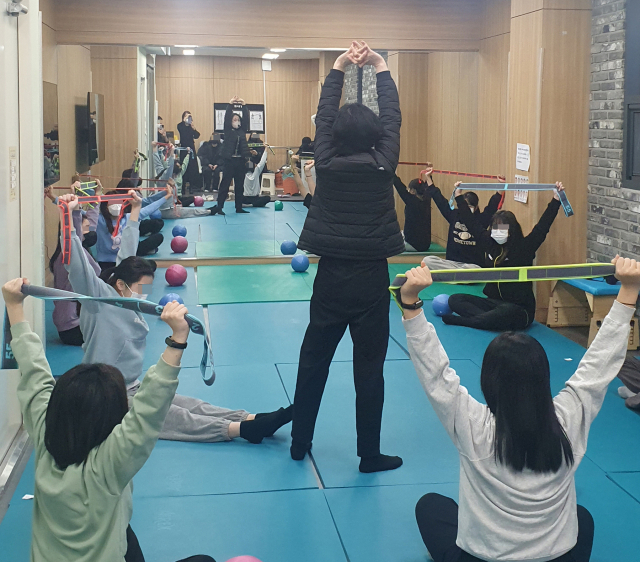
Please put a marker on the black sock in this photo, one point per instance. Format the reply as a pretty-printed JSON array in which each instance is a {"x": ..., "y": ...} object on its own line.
[
  {"x": 242, "y": 211},
  {"x": 379, "y": 463},
  {"x": 452, "y": 320},
  {"x": 266, "y": 425}
]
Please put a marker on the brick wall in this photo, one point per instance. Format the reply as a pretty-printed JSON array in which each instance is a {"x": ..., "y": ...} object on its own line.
[
  {"x": 369, "y": 92},
  {"x": 614, "y": 212}
]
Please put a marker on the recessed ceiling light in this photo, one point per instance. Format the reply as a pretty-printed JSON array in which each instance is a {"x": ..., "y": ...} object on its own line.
[
  {"x": 186, "y": 46},
  {"x": 271, "y": 56},
  {"x": 278, "y": 50},
  {"x": 188, "y": 52}
]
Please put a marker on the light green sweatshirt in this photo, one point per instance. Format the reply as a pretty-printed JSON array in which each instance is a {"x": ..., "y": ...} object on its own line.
[{"x": 81, "y": 514}]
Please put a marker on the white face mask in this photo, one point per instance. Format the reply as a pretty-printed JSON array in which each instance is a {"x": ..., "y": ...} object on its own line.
[
  {"x": 472, "y": 209},
  {"x": 114, "y": 210},
  {"x": 236, "y": 124},
  {"x": 500, "y": 236},
  {"x": 135, "y": 295},
  {"x": 313, "y": 119}
]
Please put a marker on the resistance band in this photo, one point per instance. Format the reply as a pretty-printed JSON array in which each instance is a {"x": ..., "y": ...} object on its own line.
[
  {"x": 511, "y": 274},
  {"x": 145, "y": 307},
  {"x": 450, "y": 172},
  {"x": 564, "y": 201}
]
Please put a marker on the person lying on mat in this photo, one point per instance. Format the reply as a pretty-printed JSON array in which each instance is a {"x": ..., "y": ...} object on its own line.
[
  {"x": 88, "y": 444},
  {"x": 309, "y": 189},
  {"x": 508, "y": 306},
  {"x": 463, "y": 250},
  {"x": 118, "y": 337},
  {"x": 519, "y": 453},
  {"x": 417, "y": 211}
]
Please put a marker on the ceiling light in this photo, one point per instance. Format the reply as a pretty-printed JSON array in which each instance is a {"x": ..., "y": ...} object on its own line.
[
  {"x": 271, "y": 56},
  {"x": 186, "y": 46},
  {"x": 278, "y": 50},
  {"x": 188, "y": 52}
]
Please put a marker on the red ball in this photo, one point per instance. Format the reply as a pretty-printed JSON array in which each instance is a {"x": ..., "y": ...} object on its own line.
[
  {"x": 198, "y": 201},
  {"x": 176, "y": 275},
  {"x": 179, "y": 244}
]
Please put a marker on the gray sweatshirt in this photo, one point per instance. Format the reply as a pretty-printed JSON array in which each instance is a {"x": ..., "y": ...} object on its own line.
[
  {"x": 111, "y": 335},
  {"x": 507, "y": 515}
]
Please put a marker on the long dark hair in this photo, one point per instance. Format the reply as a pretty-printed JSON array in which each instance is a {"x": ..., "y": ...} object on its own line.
[
  {"x": 86, "y": 403},
  {"x": 55, "y": 255},
  {"x": 515, "y": 383},
  {"x": 130, "y": 270},
  {"x": 515, "y": 232},
  {"x": 122, "y": 189}
]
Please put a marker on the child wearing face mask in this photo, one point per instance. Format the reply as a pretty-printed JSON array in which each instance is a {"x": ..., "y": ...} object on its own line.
[
  {"x": 234, "y": 155},
  {"x": 117, "y": 337},
  {"x": 463, "y": 251},
  {"x": 508, "y": 306}
]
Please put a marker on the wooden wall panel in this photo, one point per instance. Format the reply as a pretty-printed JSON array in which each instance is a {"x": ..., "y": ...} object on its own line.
[
  {"x": 522, "y": 7},
  {"x": 116, "y": 78},
  {"x": 496, "y": 18},
  {"x": 405, "y": 24}
]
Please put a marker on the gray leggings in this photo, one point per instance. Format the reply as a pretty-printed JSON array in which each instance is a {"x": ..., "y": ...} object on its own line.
[
  {"x": 434, "y": 262},
  {"x": 190, "y": 419},
  {"x": 184, "y": 212}
]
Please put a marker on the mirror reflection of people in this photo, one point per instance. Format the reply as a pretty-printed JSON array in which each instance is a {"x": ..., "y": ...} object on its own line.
[
  {"x": 208, "y": 154},
  {"x": 188, "y": 133},
  {"x": 417, "y": 211},
  {"x": 253, "y": 184},
  {"x": 306, "y": 148},
  {"x": 162, "y": 134},
  {"x": 309, "y": 189},
  {"x": 234, "y": 154}
]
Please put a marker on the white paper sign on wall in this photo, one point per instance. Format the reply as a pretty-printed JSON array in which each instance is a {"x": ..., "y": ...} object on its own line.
[
  {"x": 220, "y": 119},
  {"x": 256, "y": 120},
  {"x": 523, "y": 157}
]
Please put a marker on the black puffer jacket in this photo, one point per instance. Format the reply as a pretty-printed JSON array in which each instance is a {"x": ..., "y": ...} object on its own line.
[
  {"x": 235, "y": 140},
  {"x": 352, "y": 214}
]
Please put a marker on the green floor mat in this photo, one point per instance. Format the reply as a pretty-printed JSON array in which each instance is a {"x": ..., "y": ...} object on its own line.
[
  {"x": 437, "y": 288},
  {"x": 226, "y": 284},
  {"x": 236, "y": 249}
]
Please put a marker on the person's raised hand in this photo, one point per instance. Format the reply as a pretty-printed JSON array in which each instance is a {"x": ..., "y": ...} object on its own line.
[
  {"x": 253, "y": 153},
  {"x": 12, "y": 291},
  {"x": 99, "y": 187},
  {"x": 458, "y": 191},
  {"x": 365, "y": 55},
  {"x": 48, "y": 192},
  {"x": 418, "y": 278},
  {"x": 309, "y": 164},
  {"x": 172, "y": 149},
  {"x": 71, "y": 200},
  {"x": 559, "y": 188},
  {"x": 234, "y": 99},
  {"x": 136, "y": 200},
  {"x": 241, "y": 101},
  {"x": 169, "y": 191},
  {"x": 173, "y": 315},
  {"x": 346, "y": 58},
  {"x": 502, "y": 179},
  {"x": 295, "y": 158},
  {"x": 212, "y": 167}
]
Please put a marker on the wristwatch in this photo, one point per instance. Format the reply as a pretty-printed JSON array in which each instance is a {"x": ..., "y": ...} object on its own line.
[
  {"x": 173, "y": 343},
  {"x": 415, "y": 306}
]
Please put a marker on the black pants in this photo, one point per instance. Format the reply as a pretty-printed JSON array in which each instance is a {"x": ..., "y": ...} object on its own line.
[
  {"x": 150, "y": 245},
  {"x": 192, "y": 174},
  {"x": 150, "y": 226},
  {"x": 90, "y": 239},
  {"x": 134, "y": 552},
  {"x": 256, "y": 200},
  {"x": 211, "y": 178},
  {"x": 487, "y": 314},
  {"x": 437, "y": 518},
  {"x": 354, "y": 294},
  {"x": 234, "y": 169},
  {"x": 72, "y": 337}
]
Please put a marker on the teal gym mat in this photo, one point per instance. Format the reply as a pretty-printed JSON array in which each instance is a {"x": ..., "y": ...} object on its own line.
[
  {"x": 236, "y": 249},
  {"x": 437, "y": 288},
  {"x": 226, "y": 284},
  {"x": 394, "y": 535},
  {"x": 628, "y": 481},
  {"x": 187, "y": 291},
  {"x": 428, "y": 453},
  {"x": 270, "y": 332},
  {"x": 286, "y": 526},
  {"x": 227, "y": 467}
]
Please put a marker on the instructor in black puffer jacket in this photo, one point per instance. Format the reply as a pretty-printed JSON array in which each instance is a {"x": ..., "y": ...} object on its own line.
[{"x": 352, "y": 225}]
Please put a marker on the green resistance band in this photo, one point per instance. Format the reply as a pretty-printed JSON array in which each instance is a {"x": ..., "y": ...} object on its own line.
[{"x": 511, "y": 275}]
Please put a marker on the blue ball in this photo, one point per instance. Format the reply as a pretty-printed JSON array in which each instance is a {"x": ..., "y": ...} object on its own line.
[
  {"x": 169, "y": 297},
  {"x": 440, "y": 305},
  {"x": 288, "y": 248},
  {"x": 300, "y": 263},
  {"x": 179, "y": 230},
  {"x": 155, "y": 215}
]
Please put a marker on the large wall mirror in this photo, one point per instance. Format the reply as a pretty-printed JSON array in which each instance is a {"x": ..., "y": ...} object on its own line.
[{"x": 50, "y": 133}]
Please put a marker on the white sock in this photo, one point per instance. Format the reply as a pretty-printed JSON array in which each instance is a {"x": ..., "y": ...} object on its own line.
[{"x": 625, "y": 392}]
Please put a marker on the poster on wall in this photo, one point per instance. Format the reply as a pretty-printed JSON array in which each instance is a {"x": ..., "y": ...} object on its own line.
[
  {"x": 519, "y": 194},
  {"x": 523, "y": 157},
  {"x": 256, "y": 116}
]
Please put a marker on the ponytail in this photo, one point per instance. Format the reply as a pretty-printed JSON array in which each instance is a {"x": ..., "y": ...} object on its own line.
[{"x": 130, "y": 270}]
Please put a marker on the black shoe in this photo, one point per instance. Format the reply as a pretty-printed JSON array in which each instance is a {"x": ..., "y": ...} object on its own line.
[
  {"x": 221, "y": 212},
  {"x": 298, "y": 452},
  {"x": 242, "y": 211}
]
